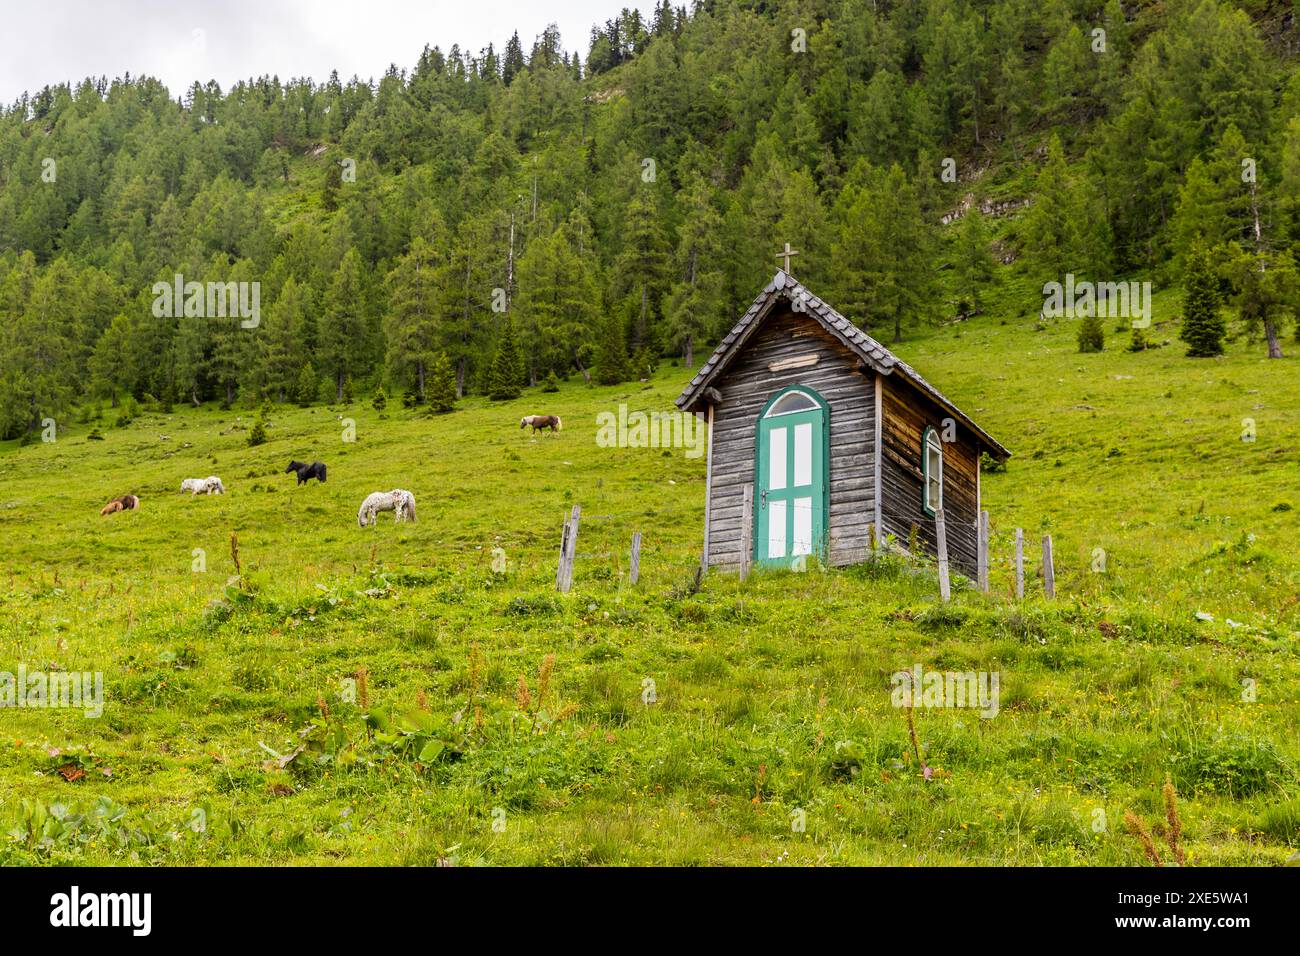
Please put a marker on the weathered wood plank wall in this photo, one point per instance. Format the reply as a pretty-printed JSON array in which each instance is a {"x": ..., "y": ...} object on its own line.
[
  {"x": 746, "y": 387},
  {"x": 906, "y": 416}
]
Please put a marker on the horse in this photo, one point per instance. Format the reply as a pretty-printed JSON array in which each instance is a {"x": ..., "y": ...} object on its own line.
[
  {"x": 401, "y": 503},
  {"x": 539, "y": 422},
  {"x": 207, "y": 486},
  {"x": 121, "y": 503},
  {"x": 307, "y": 472}
]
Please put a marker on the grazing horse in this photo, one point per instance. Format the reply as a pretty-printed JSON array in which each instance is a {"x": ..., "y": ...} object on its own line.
[
  {"x": 307, "y": 472},
  {"x": 539, "y": 422},
  {"x": 120, "y": 503},
  {"x": 401, "y": 503},
  {"x": 205, "y": 486}
]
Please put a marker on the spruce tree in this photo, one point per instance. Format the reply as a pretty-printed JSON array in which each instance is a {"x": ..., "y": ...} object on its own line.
[
  {"x": 506, "y": 374},
  {"x": 1091, "y": 338},
  {"x": 611, "y": 355},
  {"x": 973, "y": 258},
  {"x": 1203, "y": 327},
  {"x": 308, "y": 386},
  {"x": 441, "y": 386}
]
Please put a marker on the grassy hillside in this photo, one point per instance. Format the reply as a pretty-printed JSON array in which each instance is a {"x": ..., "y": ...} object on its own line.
[{"x": 770, "y": 696}]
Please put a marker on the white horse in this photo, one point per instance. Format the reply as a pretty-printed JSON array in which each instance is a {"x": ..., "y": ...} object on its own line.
[
  {"x": 206, "y": 486},
  {"x": 401, "y": 503}
]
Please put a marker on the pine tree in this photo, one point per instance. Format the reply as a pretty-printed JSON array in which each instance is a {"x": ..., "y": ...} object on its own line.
[
  {"x": 611, "y": 354},
  {"x": 639, "y": 271},
  {"x": 257, "y": 435},
  {"x": 333, "y": 182},
  {"x": 417, "y": 293},
  {"x": 308, "y": 386},
  {"x": 1091, "y": 337},
  {"x": 441, "y": 388},
  {"x": 505, "y": 376},
  {"x": 343, "y": 338},
  {"x": 883, "y": 255},
  {"x": 1203, "y": 326},
  {"x": 1266, "y": 287},
  {"x": 282, "y": 349},
  {"x": 1064, "y": 231},
  {"x": 512, "y": 62},
  {"x": 694, "y": 306},
  {"x": 557, "y": 304},
  {"x": 973, "y": 258}
]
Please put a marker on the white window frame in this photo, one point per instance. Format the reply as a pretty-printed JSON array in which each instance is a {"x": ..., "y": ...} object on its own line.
[
  {"x": 930, "y": 440},
  {"x": 773, "y": 413}
]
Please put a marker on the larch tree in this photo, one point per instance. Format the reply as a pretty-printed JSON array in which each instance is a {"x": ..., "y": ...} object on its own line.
[
  {"x": 693, "y": 309},
  {"x": 416, "y": 295},
  {"x": 343, "y": 337}
]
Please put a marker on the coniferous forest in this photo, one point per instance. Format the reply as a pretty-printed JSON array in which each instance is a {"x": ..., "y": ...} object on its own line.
[{"x": 590, "y": 206}]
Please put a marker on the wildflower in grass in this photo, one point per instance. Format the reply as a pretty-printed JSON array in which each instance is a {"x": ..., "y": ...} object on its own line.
[
  {"x": 1175, "y": 824},
  {"x": 1139, "y": 830}
]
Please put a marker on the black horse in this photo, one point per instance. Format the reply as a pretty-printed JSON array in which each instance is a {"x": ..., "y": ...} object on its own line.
[{"x": 306, "y": 472}]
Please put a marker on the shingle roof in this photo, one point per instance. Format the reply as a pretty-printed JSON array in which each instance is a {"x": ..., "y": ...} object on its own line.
[{"x": 879, "y": 358}]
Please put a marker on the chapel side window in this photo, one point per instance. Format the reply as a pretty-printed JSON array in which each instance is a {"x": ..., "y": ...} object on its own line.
[{"x": 932, "y": 449}]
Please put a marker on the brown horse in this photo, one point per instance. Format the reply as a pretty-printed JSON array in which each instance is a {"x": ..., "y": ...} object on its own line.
[
  {"x": 120, "y": 503},
  {"x": 539, "y": 422}
]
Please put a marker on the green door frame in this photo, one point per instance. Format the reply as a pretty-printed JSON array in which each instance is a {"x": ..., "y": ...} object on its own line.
[{"x": 818, "y": 490}]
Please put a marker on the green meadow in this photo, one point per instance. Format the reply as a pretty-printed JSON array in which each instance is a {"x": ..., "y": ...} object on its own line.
[{"x": 386, "y": 696}]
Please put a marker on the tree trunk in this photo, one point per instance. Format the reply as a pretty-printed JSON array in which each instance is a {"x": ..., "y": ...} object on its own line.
[
  {"x": 338, "y": 387},
  {"x": 419, "y": 371},
  {"x": 460, "y": 377},
  {"x": 689, "y": 357},
  {"x": 1274, "y": 343},
  {"x": 586, "y": 376},
  {"x": 642, "y": 322}
]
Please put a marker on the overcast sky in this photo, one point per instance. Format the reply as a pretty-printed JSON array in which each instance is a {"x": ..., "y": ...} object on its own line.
[{"x": 227, "y": 40}]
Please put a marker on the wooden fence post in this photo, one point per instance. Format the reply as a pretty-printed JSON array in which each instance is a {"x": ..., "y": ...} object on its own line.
[
  {"x": 564, "y": 550},
  {"x": 568, "y": 550},
  {"x": 1049, "y": 571},
  {"x": 746, "y": 530},
  {"x": 1020, "y": 564},
  {"x": 636, "y": 557},
  {"x": 941, "y": 535},
  {"x": 984, "y": 551}
]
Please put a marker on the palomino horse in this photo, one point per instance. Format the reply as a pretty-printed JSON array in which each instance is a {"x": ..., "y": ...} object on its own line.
[{"x": 539, "y": 422}]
